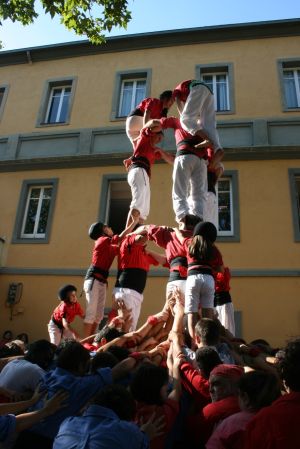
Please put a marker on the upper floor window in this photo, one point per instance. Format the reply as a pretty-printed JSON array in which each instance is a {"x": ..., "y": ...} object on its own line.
[
  {"x": 219, "y": 77},
  {"x": 294, "y": 176},
  {"x": 58, "y": 104},
  {"x": 57, "y": 100},
  {"x": 131, "y": 87},
  {"x": 3, "y": 97},
  {"x": 228, "y": 207},
  {"x": 132, "y": 93},
  {"x": 35, "y": 211},
  {"x": 291, "y": 79}
]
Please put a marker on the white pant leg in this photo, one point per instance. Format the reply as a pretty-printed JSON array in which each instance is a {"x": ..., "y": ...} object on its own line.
[
  {"x": 172, "y": 285},
  {"x": 200, "y": 290},
  {"x": 182, "y": 169},
  {"x": 55, "y": 333},
  {"x": 95, "y": 294},
  {"x": 132, "y": 300},
  {"x": 226, "y": 316},
  {"x": 199, "y": 114},
  {"x": 134, "y": 124},
  {"x": 139, "y": 183},
  {"x": 198, "y": 187},
  {"x": 210, "y": 209}
]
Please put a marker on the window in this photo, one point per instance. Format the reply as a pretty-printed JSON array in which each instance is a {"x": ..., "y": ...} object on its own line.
[
  {"x": 131, "y": 88},
  {"x": 132, "y": 93},
  {"x": 35, "y": 211},
  {"x": 294, "y": 176},
  {"x": 57, "y": 102},
  {"x": 227, "y": 197},
  {"x": 220, "y": 80},
  {"x": 289, "y": 76},
  {"x": 115, "y": 201},
  {"x": 3, "y": 97}
]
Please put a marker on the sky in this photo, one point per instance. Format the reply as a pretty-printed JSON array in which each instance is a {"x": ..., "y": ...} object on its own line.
[{"x": 155, "y": 15}]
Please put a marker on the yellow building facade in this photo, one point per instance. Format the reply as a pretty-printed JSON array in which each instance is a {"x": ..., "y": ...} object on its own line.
[{"x": 62, "y": 143}]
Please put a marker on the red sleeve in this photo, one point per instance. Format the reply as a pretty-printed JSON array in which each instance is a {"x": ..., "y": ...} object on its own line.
[
  {"x": 79, "y": 310},
  {"x": 170, "y": 122},
  {"x": 193, "y": 381},
  {"x": 217, "y": 258},
  {"x": 150, "y": 103},
  {"x": 159, "y": 234},
  {"x": 115, "y": 239},
  {"x": 61, "y": 311},
  {"x": 152, "y": 261}
]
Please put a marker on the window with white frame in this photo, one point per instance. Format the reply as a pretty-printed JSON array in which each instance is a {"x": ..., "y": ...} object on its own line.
[
  {"x": 291, "y": 83},
  {"x": 115, "y": 201},
  {"x": 218, "y": 83},
  {"x": 58, "y": 104},
  {"x": 35, "y": 211},
  {"x": 57, "y": 99},
  {"x": 225, "y": 207},
  {"x": 294, "y": 176},
  {"x": 133, "y": 91},
  {"x": 3, "y": 97},
  {"x": 219, "y": 78},
  {"x": 130, "y": 88}
]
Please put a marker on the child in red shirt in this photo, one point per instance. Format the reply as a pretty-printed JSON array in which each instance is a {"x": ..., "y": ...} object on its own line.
[{"x": 64, "y": 314}]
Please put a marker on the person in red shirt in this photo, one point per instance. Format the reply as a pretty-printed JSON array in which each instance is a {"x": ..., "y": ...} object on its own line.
[
  {"x": 133, "y": 266},
  {"x": 277, "y": 426},
  {"x": 189, "y": 172},
  {"x": 195, "y": 103},
  {"x": 223, "y": 302},
  {"x": 148, "y": 108},
  {"x": 203, "y": 257},
  {"x": 95, "y": 284},
  {"x": 64, "y": 314},
  {"x": 139, "y": 165}
]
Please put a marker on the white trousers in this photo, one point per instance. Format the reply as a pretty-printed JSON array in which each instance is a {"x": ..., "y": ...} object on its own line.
[
  {"x": 95, "y": 294},
  {"x": 139, "y": 183},
  {"x": 56, "y": 334},
  {"x": 226, "y": 316},
  {"x": 189, "y": 186},
  {"x": 210, "y": 208},
  {"x": 200, "y": 289},
  {"x": 132, "y": 300},
  {"x": 199, "y": 114},
  {"x": 172, "y": 285},
  {"x": 134, "y": 124}
]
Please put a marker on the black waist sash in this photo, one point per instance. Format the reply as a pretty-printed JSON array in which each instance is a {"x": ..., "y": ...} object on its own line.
[
  {"x": 59, "y": 325},
  {"x": 134, "y": 278},
  {"x": 94, "y": 272},
  {"x": 136, "y": 111},
  {"x": 196, "y": 268},
  {"x": 222, "y": 298},
  {"x": 140, "y": 161}
]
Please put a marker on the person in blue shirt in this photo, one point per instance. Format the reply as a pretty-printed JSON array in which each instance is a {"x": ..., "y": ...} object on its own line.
[{"x": 105, "y": 424}]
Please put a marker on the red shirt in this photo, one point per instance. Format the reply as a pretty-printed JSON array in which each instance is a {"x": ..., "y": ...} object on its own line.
[
  {"x": 154, "y": 105},
  {"x": 195, "y": 384},
  {"x": 104, "y": 252},
  {"x": 167, "y": 239},
  {"x": 142, "y": 147},
  {"x": 222, "y": 281},
  {"x": 134, "y": 255},
  {"x": 169, "y": 410},
  {"x": 213, "y": 263},
  {"x": 68, "y": 311},
  {"x": 182, "y": 90},
  {"x": 276, "y": 426}
]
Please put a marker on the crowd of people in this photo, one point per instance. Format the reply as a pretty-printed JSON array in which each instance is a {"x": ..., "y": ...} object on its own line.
[{"x": 182, "y": 379}]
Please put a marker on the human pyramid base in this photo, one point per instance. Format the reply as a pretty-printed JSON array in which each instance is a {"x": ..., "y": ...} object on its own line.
[{"x": 182, "y": 379}]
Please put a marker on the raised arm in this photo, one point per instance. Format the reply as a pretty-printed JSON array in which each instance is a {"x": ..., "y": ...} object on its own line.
[{"x": 167, "y": 157}]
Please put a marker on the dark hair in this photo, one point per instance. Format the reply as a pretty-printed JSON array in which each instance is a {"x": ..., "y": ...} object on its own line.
[
  {"x": 208, "y": 330},
  {"x": 118, "y": 399},
  {"x": 166, "y": 95},
  {"x": 290, "y": 365},
  {"x": 201, "y": 246},
  {"x": 64, "y": 291},
  {"x": 191, "y": 221},
  {"x": 261, "y": 387},
  {"x": 40, "y": 352},
  {"x": 103, "y": 360},
  {"x": 119, "y": 352},
  {"x": 96, "y": 230},
  {"x": 10, "y": 335},
  {"x": 147, "y": 383},
  {"x": 24, "y": 337},
  {"x": 109, "y": 333},
  {"x": 207, "y": 358},
  {"x": 72, "y": 356}
]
